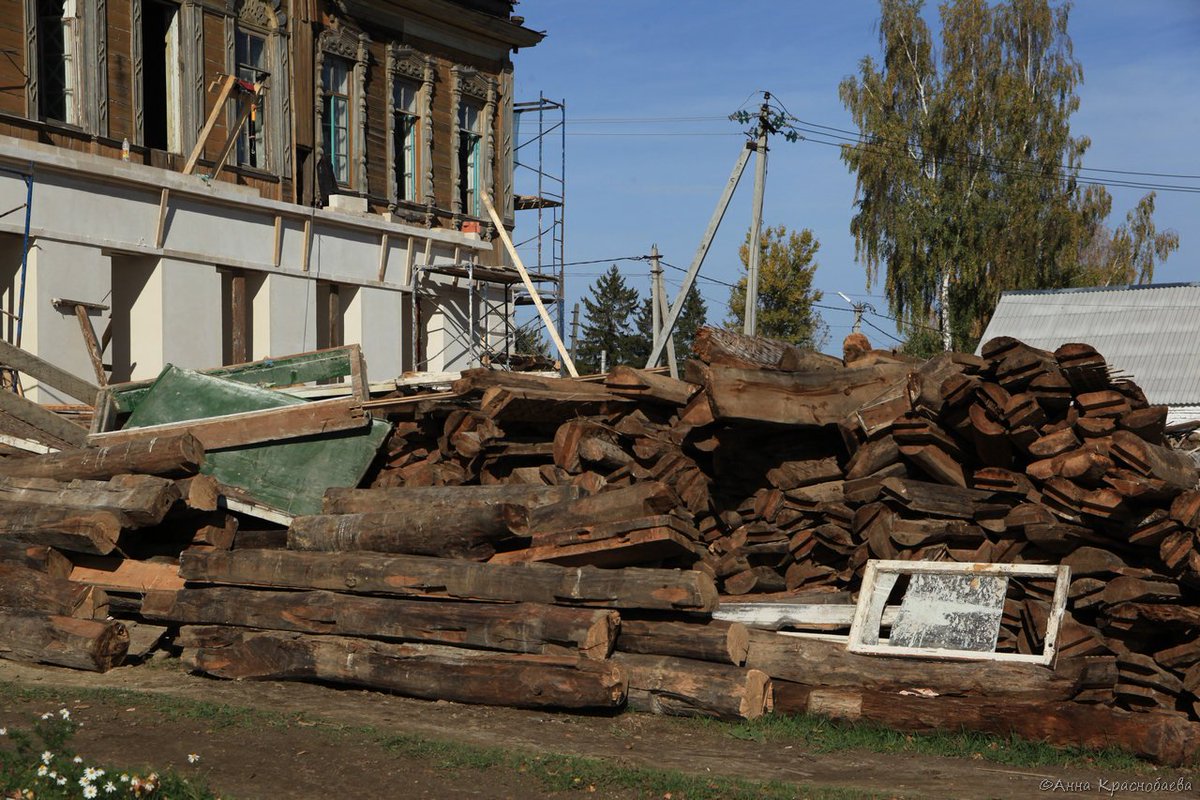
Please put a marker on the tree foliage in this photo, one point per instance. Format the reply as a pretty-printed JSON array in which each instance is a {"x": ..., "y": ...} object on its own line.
[
  {"x": 785, "y": 291},
  {"x": 607, "y": 325},
  {"x": 967, "y": 173}
]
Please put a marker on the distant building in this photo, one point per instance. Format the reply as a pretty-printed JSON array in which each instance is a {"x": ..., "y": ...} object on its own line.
[
  {"x": 1151, "y": 333},
  {"x": 377, "y": 126}
]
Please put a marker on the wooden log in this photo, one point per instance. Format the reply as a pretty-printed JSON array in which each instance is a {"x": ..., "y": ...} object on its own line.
[
  {"x": 797, "y": 398},
  {"x": 41, "y": 638},
  {"x": 643, "y": 385},
  {"x": 76, "y": 530},
  {"x": 418, "y": 576},
  {"x": 632, "y": 548},
  {"x": 23, "y": 587},
  {"x": 199, "y": 492},
  {"x": 521, "y": 628},
  {"x": 465, "y": 498},
  {"x": 827, "y": 663},
  {"x": 795, "y": 474},
  {"x": 432, "y": 532},
  {"x": 35, "y": 556},
  {"x": 168, "y": 456},
  {"x": 137, "y": 500},
  {"x": 715, "y": 640},
  {"x": 1166, "y": 738},
  {"x": 431, "y": 672},
  {"x": 723, "y": 346},
  {"x": 1152, "y": 461},
  {"x": 644, "y": 499},
  {"x": 680, "y": 687}
]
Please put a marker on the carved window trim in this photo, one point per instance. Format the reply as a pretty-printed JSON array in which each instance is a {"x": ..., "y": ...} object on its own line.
[
  {"x": 406, "y": 64},
  {"x": 265, "y": 18},
  {"x": 470, "y": 82},
  {"x": 352, "y": 47}
]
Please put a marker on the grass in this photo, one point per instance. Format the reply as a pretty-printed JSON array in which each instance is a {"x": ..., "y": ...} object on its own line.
[
  {"x": 553, "y": 772},
  {"x": 823, "y": 735}
]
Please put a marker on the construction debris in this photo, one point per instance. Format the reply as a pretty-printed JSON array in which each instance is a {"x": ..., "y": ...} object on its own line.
[{"x": 544, "y": 542}]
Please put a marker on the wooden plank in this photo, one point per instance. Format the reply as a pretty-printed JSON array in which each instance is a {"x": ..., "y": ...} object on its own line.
[
  {"x": 118, "y": 574},
  {"x": 239, "y": 317},
  {"x": 251, "y": 427},
  {"x": 42, "y": 419},
  {"x": 90, "y": 342},
  {"x": 637, "y": 547},
  {"x": 421, "y": 576},
  {"x": 434, "y": 534},
  {"x": 160, "y": 225},
  {"x": 383, "y": 258},
  {"x": 278, "y": 249},
  {"x": 214, "y": 116},
  {"x": 796, "y": 398}
]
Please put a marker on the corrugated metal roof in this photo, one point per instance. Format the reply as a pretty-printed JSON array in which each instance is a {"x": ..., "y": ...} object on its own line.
[{"x": 1151, "y": 332}]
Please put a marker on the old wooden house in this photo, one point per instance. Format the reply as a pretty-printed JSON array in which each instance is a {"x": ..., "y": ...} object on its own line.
[{"x": 220, "y": 181}]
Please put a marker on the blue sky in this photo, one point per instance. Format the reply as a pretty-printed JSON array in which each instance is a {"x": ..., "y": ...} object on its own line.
[{"x": 655, "y": 177}]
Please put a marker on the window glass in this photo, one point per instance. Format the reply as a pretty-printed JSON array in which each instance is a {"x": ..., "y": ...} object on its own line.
[
  {"x": 335, "y": 82},
  {"x": 405, "y": 131},
  {"x": 468, "y": 158},
  {"x": 250, "y": 53}
]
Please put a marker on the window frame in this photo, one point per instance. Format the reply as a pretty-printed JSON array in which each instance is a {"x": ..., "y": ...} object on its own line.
[
  {"x": 352, "y": 49},
  {"x": 408, "y": 67},
  {"x": 257, "y": 126},
  {"x": 470, "y": 86}
]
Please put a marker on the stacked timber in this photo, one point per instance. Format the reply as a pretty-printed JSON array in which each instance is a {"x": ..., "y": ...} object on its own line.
[
  {"x": 536, "y": 541},
  {"x": 85, "y": 507}
]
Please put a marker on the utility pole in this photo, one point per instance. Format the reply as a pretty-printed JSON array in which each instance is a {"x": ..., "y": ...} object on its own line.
[
  {"x": 944, "y": 311},
  {"x": 658, "y": 308},
  {"x": 859, "y": 309},
  {"x": 760, "y": 179},
  {"x": 574, "y": 331}
]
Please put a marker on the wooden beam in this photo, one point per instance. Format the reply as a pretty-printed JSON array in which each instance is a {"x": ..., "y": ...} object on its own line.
[
  {"x": 252, "y": 427},
  {"x": 227, "y": 86},
  {"x": 167, "y": 455},
  {"x": 46, "y": 373},
  {"x": 409, "y": 259},
  {"x": 563, "y": 352},
  {"x": 383, "y": 257},
  {"x": 307, "y": 254},
  {"x": 89, "y": 341},
  {"x": 43, "y": 419},
  {"x": 278, "y": 240},
  {"x": 160, "y": 231},
  {"x": 239, "y": 317}
]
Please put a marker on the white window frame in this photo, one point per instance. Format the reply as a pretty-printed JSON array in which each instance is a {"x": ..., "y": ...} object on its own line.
[
  {"x": 471, "y": 86},
  {"x": 405, "y": 66},
  {"x": 340, "y": 43}
]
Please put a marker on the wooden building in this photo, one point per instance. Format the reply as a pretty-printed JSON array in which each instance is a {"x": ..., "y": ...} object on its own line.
[{"x": 211, "y": 220}]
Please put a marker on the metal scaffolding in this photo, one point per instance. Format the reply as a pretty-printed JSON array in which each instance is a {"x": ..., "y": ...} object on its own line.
[{"x": 539, "y": 180}]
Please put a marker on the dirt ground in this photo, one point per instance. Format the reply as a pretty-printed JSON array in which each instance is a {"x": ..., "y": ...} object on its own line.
[{"x": 310, "y": 760}]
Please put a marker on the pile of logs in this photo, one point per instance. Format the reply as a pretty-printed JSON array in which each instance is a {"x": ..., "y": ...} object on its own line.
[{"x": 536, "y": 541}]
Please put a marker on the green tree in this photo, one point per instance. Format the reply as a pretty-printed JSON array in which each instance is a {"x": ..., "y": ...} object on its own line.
[
  {"x": 692, "y": 317},
  {"x": 785, "y": 291},
  {"x": 529, "y": 340},
  {"x": 966, "y": 171},
  {"x": 1128, "y": 254},
  {"x": 607, "y": 327}
]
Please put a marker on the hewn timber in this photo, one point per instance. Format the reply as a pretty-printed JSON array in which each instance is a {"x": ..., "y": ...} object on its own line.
[
  {"x": 681, "y": 687},
  {"x": 42, "y": 638},
  {"x": 425, "y": 533},
  {"x": 820, "y": 662},
  {"x": 431, "y": 672},
  {"x": 76, "y": 530},
  {"x": 137, "y": 500},
  {"x": 168, "y": 456},
  {"x": 520, "y": 628},
  {"x": 797, "y": 398},
  {"x": 715, "y": 640},
  {"x": 420, "y": 576},
  {"x": 23, "y": 587},
  {"x": 1164, "y": 737},
  {"x": 117, "y": 574},
  {"x": 35, "y": 556},
  {"x": 481, "y": 500}
]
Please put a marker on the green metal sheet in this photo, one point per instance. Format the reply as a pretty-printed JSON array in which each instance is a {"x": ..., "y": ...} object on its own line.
[{"x": 289, "y": 476}]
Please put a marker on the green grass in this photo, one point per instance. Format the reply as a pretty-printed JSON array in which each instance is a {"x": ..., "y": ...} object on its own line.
[
  {"x": 553, "y": 772},
  {"x": 823, "y": 735}
]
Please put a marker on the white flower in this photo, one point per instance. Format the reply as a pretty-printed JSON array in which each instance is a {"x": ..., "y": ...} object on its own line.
[
  {"x": 91, "y": 774},
  {"x": 99, "y": 773},
  {"x": 90, "y": 791},
  {"x": 193, "y": 758},
  {"x": 110, "y": 787},
  {"x": 3, "y": 731},
  {"x": 124, "y": 779},
  {"x": 78, "y": 759},
  {"x": 62, "y": 712},
  {"x": 47, "y": 756},
  {"x": 53, "y": 773},
  {"x": 85, "y": 781},
  {"x": 46, "y": 715},
  {"x": 42, "y": 770},
  {"x": 62, "y": 780},
  {"x": 135, "y": 782}
]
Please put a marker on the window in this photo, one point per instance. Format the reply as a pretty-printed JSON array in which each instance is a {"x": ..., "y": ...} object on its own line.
[
  {"x": 58, "y": 69},
  {"x": 250, "y": 57},
  {"x": 469, "y": 137},
  {"x": 161, "y": 79},
  {"x": 335, "y": 108},
  {"x": 405, "y": 132}
]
